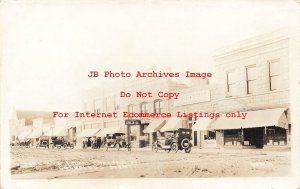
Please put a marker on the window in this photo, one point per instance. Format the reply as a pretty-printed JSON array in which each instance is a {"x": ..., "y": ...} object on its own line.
[
  {"x": 274, "y": 74},
  {"x": 144, "y": 107},
  {"x": 157, "y": 106},
  {"x": 97, "y": 105},
  {"x": 230, "y": 83},
  {"x": 251, "y": 77},
  {"x": 116, "y": 103},
  {"x": 130, "y": 108}
]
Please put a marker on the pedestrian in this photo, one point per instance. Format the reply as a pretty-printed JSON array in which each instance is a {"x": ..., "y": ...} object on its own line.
[{"x": 98, "y": 142}]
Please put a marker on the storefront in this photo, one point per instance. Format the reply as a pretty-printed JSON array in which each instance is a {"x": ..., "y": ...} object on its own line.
[
  {"x": 260, "y": 128},
  {"x": 152, "y": 128},
  {"x": 204, "y": 136},
  {"x": 87, "y": 133}
]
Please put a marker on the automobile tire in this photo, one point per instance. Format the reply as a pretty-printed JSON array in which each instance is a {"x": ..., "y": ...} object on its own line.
[
  {"x": 65, "y": 146},
  {"x": 174, "y": 147},
  {"x": 188, "y": 150},
  {"x": 183, "y": 142}
]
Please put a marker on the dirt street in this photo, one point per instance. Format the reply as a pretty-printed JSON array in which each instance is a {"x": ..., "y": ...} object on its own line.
[{"x": 138, "y": 163}]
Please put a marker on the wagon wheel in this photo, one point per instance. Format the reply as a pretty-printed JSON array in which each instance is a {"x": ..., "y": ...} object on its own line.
[
  {"x": 118, "y": 146},
  {"x": 188, "y": 150},
  {"x": 174, "y": 147}
]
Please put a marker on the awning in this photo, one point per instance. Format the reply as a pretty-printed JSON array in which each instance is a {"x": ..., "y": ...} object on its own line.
[
  {"x": 35, "y": 134},
  {"x": 23, "y": 135},
  {"x": 172, "y": 124},
  {"x": 155, "y": 125},
  {"x": 56, "y": 131},
  {"x": 203, "y": 124},
  {"x": 88, "y": 133},
  {"x": 109, "y": 130},
  {"x": 259, "y": 118}
]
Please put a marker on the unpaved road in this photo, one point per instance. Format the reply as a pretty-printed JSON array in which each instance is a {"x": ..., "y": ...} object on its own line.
[{"x": 138, "y": 163}]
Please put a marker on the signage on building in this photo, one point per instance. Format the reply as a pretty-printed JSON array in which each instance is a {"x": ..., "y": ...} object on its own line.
[
  {"x": 193, "y": 97},
  {"x": 132, "y": 122}
]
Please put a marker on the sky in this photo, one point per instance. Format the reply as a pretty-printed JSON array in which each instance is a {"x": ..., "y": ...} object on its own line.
[{"x": 49, "y": 47}]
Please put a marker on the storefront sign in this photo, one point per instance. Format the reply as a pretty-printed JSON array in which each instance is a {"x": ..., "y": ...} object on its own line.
[{"x": 132, "y": 122}]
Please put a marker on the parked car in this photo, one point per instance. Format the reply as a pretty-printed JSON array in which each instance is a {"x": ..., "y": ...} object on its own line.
[
  {"x": 174, "y": 140},
  {"x": 43, "y": 142},
  {"x": 116, "y": 140},
  {"x": 61, "y": 142}
]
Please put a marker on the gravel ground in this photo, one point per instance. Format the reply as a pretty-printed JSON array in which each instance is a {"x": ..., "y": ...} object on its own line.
[{"x": 94, "y": 163}]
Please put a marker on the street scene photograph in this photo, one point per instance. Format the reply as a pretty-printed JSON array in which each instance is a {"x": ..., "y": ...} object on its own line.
[{"x": 149, "y": 90}]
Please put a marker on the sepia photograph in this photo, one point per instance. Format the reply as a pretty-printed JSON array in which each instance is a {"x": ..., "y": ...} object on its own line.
[{"x": 153, "y": 94}]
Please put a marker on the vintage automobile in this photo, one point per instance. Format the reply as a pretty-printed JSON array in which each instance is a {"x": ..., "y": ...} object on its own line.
[
  {"x": 116, "y": 140},
  {"x": 43, "y": 142},
  {"x": 61, "y": 142},
  {"x": 22, "y": 143},
  {"x": 174, "y": 140}
]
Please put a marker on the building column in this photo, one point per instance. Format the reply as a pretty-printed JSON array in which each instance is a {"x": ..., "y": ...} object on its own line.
[{"x": 128, "y": 134}]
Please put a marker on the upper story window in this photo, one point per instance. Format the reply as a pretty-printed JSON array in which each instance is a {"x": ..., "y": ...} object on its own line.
[
  {"x": 274, "y": 74},
  {"x": 144, "y": 107},
  {"x": 97, "y": 105},
  {"x": 157, "y": 106},
  {"x": 251, "y": 77},
  {"x": 230, "y": 83},
  {"x": 130, "y": 108},
  {"x": 117, "y": 103}
]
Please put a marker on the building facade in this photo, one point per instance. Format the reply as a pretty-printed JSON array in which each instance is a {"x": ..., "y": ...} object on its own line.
[{"x": 250, "y": 77}]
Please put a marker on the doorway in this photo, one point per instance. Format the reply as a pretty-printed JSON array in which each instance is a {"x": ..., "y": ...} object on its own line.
[{"x": 254, "y": 137}]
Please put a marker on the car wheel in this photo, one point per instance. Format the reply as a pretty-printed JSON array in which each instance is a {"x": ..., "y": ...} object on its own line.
[
  {"x": 65, "y": 146},
  {"x": 185, "y": 143},
  {"x": 118, "y": 146},
  {"x": 174, "y": 147},
  {"x": 188, "y": 150}
]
